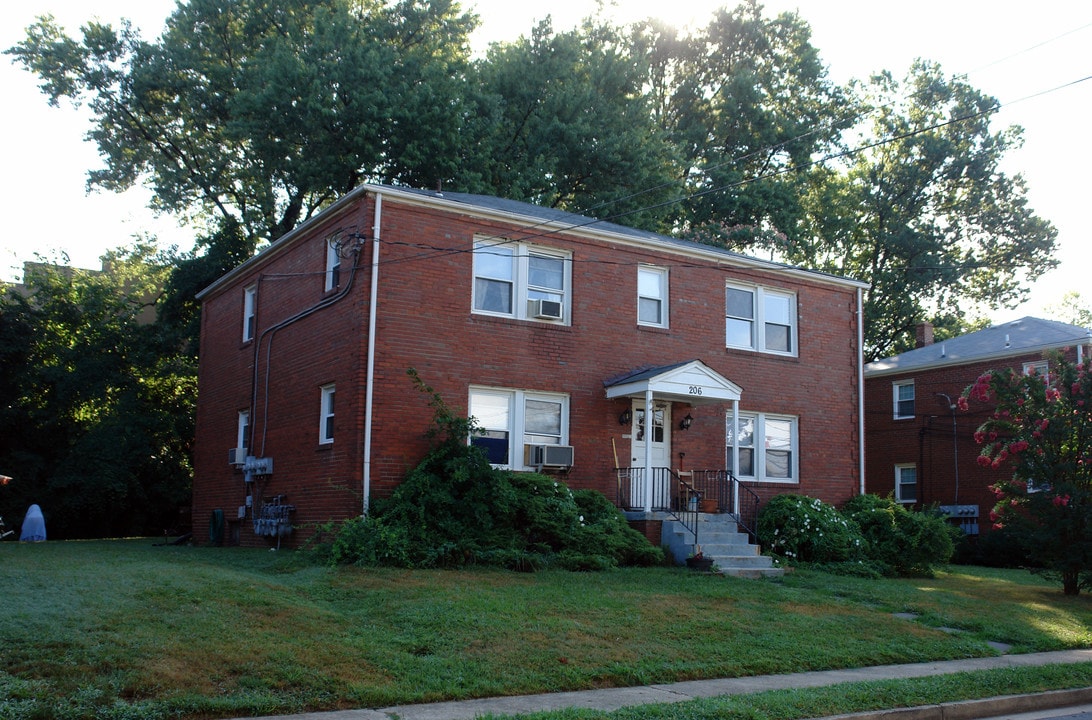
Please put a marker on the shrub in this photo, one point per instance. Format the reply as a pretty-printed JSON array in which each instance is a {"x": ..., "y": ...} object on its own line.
[
  {"x": 804, "y": 529},
  {"x": 454, "y": 508},
  {"x": 901, "y": 542}
]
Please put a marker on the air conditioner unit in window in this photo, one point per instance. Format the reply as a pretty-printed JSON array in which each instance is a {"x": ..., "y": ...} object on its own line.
[
  {"x": 552, "y": 455},
  {"x": 546, "y": 309},
  {"x": 236, "y": 456}
]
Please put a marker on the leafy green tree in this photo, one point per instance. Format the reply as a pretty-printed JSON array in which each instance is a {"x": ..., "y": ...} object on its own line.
[
  {"x": 1072, "y": 309},
  {"x": 1040, "y": 437},
  {"x": 97, "y": 419},
  {"x": 924, "y": 212},
  {"x": 746, "y": 103},
  {"x": 559, "y": 119},
  {"x": 262, "y": 112}
]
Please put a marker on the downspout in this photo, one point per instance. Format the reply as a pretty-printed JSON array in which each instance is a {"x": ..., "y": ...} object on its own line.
[
  {"x": 860, "y": 393},
  {"x": 369, "y": 394}
]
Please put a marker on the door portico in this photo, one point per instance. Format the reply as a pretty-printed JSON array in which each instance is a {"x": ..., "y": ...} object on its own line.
[{"x": 653, "y": 390}]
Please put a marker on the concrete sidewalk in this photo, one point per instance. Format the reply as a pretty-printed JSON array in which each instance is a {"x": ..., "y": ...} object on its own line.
[{"x": 615, "y": 698}]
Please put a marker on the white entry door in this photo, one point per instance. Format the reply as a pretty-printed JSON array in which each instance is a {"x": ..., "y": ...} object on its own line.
[{"x": 658, "y": 434}]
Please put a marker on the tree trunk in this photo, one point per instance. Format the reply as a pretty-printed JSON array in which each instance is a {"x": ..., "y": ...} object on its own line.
[{"x": 1070, "y": 582}]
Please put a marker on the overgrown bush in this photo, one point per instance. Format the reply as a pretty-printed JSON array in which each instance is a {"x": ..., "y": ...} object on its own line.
[
  {"x": 870, "y": 536},
  {"x": 454, "y": 509},
  {"x": 901, "y": 542},
  {"x": 804, "y": 529}
]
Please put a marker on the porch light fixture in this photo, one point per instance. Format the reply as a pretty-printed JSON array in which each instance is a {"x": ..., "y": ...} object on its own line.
[
  {"x": 684, "y": 424},
  {"x": 625, "y": 417}
]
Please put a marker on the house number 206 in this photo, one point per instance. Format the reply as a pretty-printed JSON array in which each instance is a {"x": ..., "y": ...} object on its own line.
[{"x": 695, "y": 390}]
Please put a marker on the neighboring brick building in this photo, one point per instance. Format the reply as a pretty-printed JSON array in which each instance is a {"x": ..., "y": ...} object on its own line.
[
  {"x": 557, "y": 332},
  {"x": 918, "y": 447}
]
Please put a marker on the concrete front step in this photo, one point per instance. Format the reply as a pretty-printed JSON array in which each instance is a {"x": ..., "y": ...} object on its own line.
[{"x": 720, "y": 540}]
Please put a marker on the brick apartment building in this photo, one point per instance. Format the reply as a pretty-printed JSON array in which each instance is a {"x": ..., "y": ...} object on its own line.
[
  {"x": 558, "y": 333},
  {"x": 918, "y": 447}
]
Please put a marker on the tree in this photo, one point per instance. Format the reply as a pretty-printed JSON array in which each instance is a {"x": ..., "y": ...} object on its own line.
[
  {"x": 97, "y": 414},
  {"x": 1040, "y": 436},
  {"x": 558, "y": 119},
  {"x": 746, "y": 103},
  {"x": 923, "y": 212},
  {"x": 1072, "y": 309},
  {"x": 260, "y": 113}
]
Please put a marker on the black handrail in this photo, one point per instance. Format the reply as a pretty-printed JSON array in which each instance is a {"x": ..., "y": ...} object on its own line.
[{"x": 686, "y": 494}]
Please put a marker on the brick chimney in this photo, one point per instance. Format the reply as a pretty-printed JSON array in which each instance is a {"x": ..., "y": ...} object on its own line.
[{"x": 923, "y": 332}]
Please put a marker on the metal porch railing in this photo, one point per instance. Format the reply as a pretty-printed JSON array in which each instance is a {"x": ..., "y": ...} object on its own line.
[{"x": 686, "y": 494}]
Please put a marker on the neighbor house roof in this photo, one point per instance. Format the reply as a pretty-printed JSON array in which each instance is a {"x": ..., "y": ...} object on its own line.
[{"x": 1018, "y": 337}]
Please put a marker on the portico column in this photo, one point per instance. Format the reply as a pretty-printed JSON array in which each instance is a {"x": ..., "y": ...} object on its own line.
[
  {"x": 735, "y": 455},
  {"x": 648, "y": 449}
]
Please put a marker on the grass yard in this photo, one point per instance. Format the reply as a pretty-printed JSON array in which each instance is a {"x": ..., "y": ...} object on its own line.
[{"x": 123, "y": 629}]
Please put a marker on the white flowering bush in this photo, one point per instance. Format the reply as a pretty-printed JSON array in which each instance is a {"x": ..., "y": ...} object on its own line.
[{"x": 804, "y": 529}]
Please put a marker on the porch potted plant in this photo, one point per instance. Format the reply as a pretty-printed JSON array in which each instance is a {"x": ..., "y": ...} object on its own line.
[{"x": 698, "y": 561}]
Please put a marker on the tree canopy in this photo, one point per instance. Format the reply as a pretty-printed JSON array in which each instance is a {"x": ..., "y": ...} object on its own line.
[
  {"x": 256, "y": 114},
  {"x": 260, "y": 112},
  {"x": 96, "y": 405}
]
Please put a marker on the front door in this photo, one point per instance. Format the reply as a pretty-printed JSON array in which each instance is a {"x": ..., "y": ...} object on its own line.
[{"x": 659, "y": 437}]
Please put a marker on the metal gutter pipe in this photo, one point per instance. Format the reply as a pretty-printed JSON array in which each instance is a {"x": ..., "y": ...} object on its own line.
[
  {"x": 369, "y": 394},
  {"x": 860, "y": 391}
]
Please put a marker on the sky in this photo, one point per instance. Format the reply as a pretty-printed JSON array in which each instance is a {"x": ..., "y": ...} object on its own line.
[{"x": 1032, "y": 57}]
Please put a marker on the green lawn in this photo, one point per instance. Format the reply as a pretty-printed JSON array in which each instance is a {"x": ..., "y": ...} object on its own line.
[{"x": 119, "y": 629}]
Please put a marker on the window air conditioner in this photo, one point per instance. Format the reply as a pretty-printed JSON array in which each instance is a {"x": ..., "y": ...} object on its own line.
[
  {"x": 552, "y": 455},
  {"x": 546, "y": 309},
  {"x": 236, "y": 456}
]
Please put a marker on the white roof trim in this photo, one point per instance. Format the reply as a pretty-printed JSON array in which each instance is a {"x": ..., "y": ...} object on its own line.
[{"x": 693, "y": 382}]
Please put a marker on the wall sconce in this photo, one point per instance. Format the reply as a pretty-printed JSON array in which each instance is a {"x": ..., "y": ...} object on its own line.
[
  {"x": 684, "y": 424},
  {"x": 625, "y": 417}
]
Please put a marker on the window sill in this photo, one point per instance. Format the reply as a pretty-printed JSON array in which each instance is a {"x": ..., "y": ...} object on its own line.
[{"x": 520, "y": 322}]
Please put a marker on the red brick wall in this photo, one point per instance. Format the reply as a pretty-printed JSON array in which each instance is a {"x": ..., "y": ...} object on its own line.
[
  {"x": 425, "y": 322},
  {"x": 927, "y": 439}
]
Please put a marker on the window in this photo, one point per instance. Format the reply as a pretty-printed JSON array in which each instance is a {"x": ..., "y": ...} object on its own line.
[
  {"x": 761, "y": 319},
  {"x": 652, "y": 296},
  {"x": 326, "y": 414},
  {"x": 1040, "y": 368},
  {"x": 511, "y": 420},
  {"x": 767, "y": 447},
  {"x": 903, "y": 398},
  {"x": 242, "y": 435},
  {"x": 521, "y": 281},
  {"x": 250, "y": 310},
  {"x": 333, "y": 265},
  {"x": 906, "y": 483}
]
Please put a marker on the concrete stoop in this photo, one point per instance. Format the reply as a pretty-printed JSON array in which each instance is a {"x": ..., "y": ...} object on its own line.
[{"x": 720, "y": 539}]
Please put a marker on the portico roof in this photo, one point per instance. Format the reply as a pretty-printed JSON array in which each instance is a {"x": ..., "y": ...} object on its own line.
[{"x": 691, "y": 382}]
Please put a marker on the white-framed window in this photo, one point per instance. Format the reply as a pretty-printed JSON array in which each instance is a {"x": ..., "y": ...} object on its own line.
[
  {"x": 652, "y": 296},
  {"x": 1039, "y": 367},
  {"x": 333, "y": 265},
  {"x": 906, "y": 483},
  {"x": 902, "y": 399},
  {"x": 521, "y": 281},
  {"x": 250, "y": 312},
  {"x": 242, "y": 433},
  {"x": 759, "y": 318},
  {"x": 767, "y": 447},
  {"x": 511, "y": 420},
  {"x": 326, "y": 414}
]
